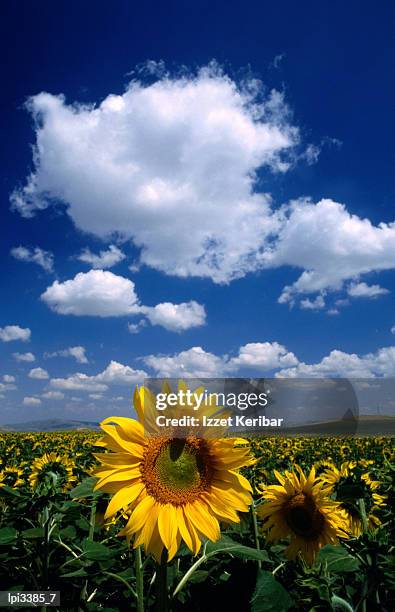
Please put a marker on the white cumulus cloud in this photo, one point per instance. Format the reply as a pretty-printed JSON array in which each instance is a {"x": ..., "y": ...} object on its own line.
[
  {"x": 77, "y": 352},
  {"x": 105, "y": 294},
  {"x": 105, "y": 259},
  {"x": 366, "y": 291},
  {"x": 78, "y": 382},
  {"x": 95, "y": 293},
  {"x": 170, "y": 165},
  {"x": 38, "y": 373},
  {"x": 194, "y": 363},
  {"x": 31, "y": 401},
  {"x": 330, "y": 245},
  {"x": 10, "y": 333},
  {"x": 117, "y": 373},
  {"x": 340, "y": 363},
  {"x": 317, "y": 304},
  {"x": 42, "y": 258},
  {"x": 7, "y": 378},
  {"x": 114, "y": 374},
  {"x": 262, "y": 355},
  {"x": 177, "y": 317},
  {"x": 198, "y": 363}
]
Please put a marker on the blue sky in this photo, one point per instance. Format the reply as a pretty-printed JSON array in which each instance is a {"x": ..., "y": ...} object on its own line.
[{"x": 202, "y": 191}]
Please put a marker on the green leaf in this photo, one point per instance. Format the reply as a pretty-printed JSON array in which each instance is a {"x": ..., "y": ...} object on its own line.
[
  {"x": 338, "y": 603},
  {"x": 68, "y": 533},
  {"x": 34, "y": 532},
  {"x": 85, "y": 489},
  {"x": 229, "y": 546},
  {"x": 76, "y": 573},
  {"x": 96, "y": 551},
  {"x": 198, "y": 576},
  {"x": 10, "y": 490},
  {"x": 7, "y": 535},
  {"x": 269, "y": 595},
  {"x": 83, "y": 524},
  {"x": 337, "y": 559}
]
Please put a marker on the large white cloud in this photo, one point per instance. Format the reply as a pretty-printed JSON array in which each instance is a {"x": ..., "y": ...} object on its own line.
[
  {"x": 42, "y": 258},
  {"x": 104, "y": 294},
  {"x": 171, "y": 165},
  {"x": 95, "y": 293},
  {"x": 330, "y": 245},
  {"x": 105, "y": 259},
  {"x": 10, "y": 333}
]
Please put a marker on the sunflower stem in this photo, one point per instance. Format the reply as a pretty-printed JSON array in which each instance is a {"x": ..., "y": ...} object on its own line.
[
  {"x": 362, "y": 511},
  {"x": 139, "y": 580},
  {"x": 256, "y": 532},
  {"x": 161, "y": 583}
]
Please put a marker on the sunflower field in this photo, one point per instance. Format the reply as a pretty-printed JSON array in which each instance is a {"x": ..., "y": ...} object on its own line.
[{"x": 121, "y": 522}]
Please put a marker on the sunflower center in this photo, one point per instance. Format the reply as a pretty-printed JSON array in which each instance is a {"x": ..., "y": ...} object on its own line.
[
  {"x": 176, "y": 471},
  {"x": 303, "y": 517}
]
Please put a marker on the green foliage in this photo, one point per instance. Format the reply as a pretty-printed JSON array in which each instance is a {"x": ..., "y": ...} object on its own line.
[{"x": 55, "y": 538}]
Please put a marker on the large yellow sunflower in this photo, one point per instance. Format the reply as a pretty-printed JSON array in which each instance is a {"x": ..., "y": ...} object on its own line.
[
  {"x": 300, "y": 508},
  {"x": 172, "y": 488}
]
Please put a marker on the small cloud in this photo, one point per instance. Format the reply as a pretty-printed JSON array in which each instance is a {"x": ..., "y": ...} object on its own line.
[
  {"x": 78, "y": 352},
  {"x": 311, "y": 154},
  {"x": 96, "y": 396},
  {"x": 134, "y": 267},
  {"x": 134, "y": 328},
  {"x": 362, "y": 290},
  {"x": 31, "y": 401},
  {"x": 342, "y": 302},
  {"x": 53, "y": 395},
  {"x": 177, "y": 317},
  {"x": 277, "y": 60},
  {"x": 317, "y": 304},
  {"x": 38, "y": 374},
  {"x": 105, "y": 259},
  {"x": 14, "y": 332},
  {"x": 44, "y": 259},
  {"x": 332, "y": 311},
  {"x": 393, "y": 329},
  {"x": 24, "y": 356},
  {"x": 8, "y": 379},
  {"x": 7, "y": 387}
]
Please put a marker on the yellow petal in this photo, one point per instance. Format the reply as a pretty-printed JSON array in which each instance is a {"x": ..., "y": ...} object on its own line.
[
  {"x": 123, "y": 498},
  {"x": 167, "y": 524}
]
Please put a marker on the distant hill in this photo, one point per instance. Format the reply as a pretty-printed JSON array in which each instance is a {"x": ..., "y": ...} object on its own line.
[{"x": 49, "y": 425}]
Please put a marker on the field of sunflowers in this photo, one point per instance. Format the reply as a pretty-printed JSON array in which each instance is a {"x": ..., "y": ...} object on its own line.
[{"x": 118, "y": 521}]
